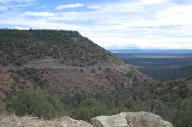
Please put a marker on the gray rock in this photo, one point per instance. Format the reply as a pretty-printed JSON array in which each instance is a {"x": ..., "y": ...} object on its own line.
[{"x": 130, "y": 119}]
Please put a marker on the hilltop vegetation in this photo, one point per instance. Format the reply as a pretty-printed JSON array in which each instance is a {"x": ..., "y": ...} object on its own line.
[{"x": 21, "y": 46}]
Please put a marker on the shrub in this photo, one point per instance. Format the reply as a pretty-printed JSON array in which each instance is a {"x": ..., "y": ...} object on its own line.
[
  {"x": 82, "y": 71},
  {"x": 37, "y": 103},
  {"x": 90, "y": 108},
  {"x": 183, "y": 117}
]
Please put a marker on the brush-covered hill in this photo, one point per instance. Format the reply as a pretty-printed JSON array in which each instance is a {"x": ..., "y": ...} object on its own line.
[
  {"x": 21, "y": 46},
  {"x": 62, "y": 62}
]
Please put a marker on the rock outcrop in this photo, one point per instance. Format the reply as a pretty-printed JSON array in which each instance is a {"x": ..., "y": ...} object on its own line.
[
  {"x": 14, "y": 121},
  {"x": 130, "y": 119}
]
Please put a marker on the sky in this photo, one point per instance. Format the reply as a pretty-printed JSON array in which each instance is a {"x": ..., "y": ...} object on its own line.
[{"x": 112, "y": 24}]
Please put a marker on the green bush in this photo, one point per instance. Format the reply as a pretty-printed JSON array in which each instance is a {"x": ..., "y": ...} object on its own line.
[
  {"x": 37, "y": 103},
  {"x": 90, "y": 108},
  {"x": 183, "y": 117}
]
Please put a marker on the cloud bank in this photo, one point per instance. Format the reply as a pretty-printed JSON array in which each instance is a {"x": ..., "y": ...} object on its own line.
[{"x": 160, "y": 24}]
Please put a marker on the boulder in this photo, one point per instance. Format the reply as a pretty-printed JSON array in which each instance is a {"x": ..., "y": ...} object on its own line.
[
  {"x": 130, "y": 119},
  {"x": 69, "y": 122}
]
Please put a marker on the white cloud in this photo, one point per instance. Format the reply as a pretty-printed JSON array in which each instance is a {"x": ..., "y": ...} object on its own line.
[
  {"x": 151, "y": 2},
  {"x": 3, "y": 8},
  {"x": 76, "y": 5},
  {"x": 140, "y": 23},
  {"x": 12, "y": 5},
  {"x": 16, "y": 1},
  {"x": 175, "y": 15},
  {"x": 94, "y": 7},
  {"x": 21, "y": 28},
  {"x": 39, "y": 14}
]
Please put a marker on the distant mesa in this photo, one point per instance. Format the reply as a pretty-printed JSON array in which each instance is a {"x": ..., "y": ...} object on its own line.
[{"x": 71, "y": 48}]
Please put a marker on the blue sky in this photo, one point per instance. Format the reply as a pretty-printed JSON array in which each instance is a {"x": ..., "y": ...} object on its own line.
[{"x": 122, "y": 24}]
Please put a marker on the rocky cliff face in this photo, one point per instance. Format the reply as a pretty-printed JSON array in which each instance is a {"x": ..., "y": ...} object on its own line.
[{"x": 130, "y": 119}]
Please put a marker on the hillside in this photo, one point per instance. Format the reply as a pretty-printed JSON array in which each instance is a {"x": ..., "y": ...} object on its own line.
[
  {"x": 5, "y": 86},
  {"x": 63, "y": 62},
  {"x": 61, "y": 81},
  {"x": 21, "y": 46},
  {"x": 66, "y": 66}
]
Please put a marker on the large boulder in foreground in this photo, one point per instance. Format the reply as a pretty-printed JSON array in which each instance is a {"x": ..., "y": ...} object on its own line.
[{"x": 130, "y": 119}]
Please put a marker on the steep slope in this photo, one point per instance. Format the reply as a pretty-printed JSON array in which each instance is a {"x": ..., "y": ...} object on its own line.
[
  {"x": 5, "y": 86},
  {"x": 79, "y": 80},
  {"x": 5, "y": 79},
  {"x": 21, "y": 46}
]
